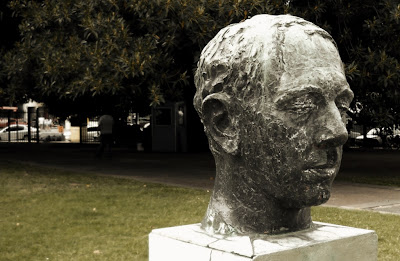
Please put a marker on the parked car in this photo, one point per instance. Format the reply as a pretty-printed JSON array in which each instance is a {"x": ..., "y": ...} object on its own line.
[
  {"x": 374, "y": 137},
  {"x": 90, "y": 135},
  {"x": 93, "y": 133},
  {"x": 20, "y": 132},
  {"x": 52, "y": 134},
  {"x": 17, "y": 132}
]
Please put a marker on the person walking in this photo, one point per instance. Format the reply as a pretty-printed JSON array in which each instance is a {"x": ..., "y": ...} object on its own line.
[{"x": 105, "y": 127}]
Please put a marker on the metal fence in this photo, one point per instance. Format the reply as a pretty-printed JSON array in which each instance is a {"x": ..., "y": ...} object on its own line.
[
  {"x": 361, "y": 136},
  {"x": 17, "y": 126},
  {"x": 355, "y": 134},
  {"x": 36, "y": 125}
]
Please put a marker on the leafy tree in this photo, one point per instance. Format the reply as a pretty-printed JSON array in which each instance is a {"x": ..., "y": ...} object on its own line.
[
  {"x": 9, "y": 32},
  {"x": 77, "y": 54}
]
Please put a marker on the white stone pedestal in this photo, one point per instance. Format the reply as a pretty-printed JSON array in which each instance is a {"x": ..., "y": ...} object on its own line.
[{"x": 324, "y": 242}]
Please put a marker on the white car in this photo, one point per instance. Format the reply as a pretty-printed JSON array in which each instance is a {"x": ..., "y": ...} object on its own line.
[
  {"x": 92, "y": 131},
  {"x": 52, "y": 134},
  {"x": 16, "y": 132},
  {"x": 91, "y": 134},
  {"x": 374, "y": 137}
]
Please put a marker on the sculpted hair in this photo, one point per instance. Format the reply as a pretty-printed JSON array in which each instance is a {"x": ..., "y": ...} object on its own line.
[{"x": 246, "y": 60}]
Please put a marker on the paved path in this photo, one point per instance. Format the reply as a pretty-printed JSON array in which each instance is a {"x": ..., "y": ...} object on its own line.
[
  {"x": 198, "y": 170},
  {"x": 367, "y": 197}
]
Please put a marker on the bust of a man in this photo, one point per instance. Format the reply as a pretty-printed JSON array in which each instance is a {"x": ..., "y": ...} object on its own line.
[{"x": 272, "y": 95}]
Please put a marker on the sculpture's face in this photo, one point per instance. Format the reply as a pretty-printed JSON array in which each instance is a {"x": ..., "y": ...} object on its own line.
[{"x": 293, "y": 141}]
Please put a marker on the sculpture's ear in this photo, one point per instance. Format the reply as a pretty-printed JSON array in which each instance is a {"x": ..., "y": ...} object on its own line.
[{"x": 220, "y": 122}]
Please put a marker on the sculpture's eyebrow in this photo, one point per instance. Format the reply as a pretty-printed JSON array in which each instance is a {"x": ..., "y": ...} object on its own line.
[{"x": 288, "y": 94}]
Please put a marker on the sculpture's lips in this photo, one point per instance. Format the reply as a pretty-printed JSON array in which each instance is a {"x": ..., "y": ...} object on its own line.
[
  {"x": 320, "y": 173},
  {"x": 325, "y": 169}
]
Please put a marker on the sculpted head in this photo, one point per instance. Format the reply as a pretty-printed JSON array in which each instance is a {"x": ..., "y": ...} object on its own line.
[{"x": 272, "y": 95}]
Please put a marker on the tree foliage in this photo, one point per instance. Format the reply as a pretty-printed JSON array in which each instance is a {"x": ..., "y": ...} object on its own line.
[
  {"x": 117, "y": 51},
  {"x": 9, "y": 32},
  {"x": 77, "y": 54}
]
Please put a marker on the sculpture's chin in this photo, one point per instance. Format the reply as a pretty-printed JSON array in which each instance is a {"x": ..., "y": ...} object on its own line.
[{"x": 318, "y": 195}]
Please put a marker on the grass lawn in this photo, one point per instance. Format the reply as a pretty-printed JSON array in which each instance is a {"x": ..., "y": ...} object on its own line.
[{"x": 48, "y": 214}]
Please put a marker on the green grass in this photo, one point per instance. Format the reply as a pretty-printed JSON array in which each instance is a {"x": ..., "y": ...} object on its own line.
[{"x": 48, "y": 214}]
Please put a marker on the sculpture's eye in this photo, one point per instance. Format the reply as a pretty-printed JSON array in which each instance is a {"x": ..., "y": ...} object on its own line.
[
  {"x": 343, "y": 101},
  {"x": 301, "y": 105},
  {"x": 343, "y": 108}
]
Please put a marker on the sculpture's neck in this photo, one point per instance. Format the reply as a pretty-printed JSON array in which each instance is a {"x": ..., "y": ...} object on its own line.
[{"x": 236, "y": 207}]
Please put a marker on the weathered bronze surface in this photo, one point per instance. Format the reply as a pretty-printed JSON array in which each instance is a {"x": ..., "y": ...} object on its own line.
[{"x": 272, "y": 95}]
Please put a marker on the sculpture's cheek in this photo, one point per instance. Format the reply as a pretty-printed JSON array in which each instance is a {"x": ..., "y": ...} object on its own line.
[
  {"x": 275, "y": 156},
  {"x": 273, "y": 149}
]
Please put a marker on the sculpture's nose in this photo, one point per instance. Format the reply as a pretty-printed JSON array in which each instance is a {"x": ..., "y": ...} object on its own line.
[{"x": 333, "y": 131}]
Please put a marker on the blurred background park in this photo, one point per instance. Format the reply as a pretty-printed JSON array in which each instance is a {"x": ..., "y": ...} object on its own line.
[{"x": 64, "y": 62}]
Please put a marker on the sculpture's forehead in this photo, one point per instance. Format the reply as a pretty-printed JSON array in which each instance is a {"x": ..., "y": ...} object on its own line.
[
  {"x": 327, "y": 77},
  {"x": 310, "y": 59},
  {"x": 308, "y": 49}
]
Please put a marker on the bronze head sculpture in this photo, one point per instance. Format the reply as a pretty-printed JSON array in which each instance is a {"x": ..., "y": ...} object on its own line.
[{"x": 272, "y": 95}]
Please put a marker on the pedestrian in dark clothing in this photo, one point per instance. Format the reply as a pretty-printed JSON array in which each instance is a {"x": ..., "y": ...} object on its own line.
[{"x": 105, "y": 127}]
